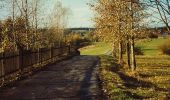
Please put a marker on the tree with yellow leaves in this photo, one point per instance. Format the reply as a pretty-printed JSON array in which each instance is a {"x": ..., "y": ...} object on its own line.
[{"x": 118, "y": 22}]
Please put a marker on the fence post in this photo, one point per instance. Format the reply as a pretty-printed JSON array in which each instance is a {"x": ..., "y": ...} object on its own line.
[
  {"x": 20, "y": 61},
  {"x": 31, "y": 52},
  {"x": 51, "y": 53},
  {"x": 69, "y": 48},
  {"x": 41, "y": 62},
  {"x": 38, "y": 51},
  {"x": 2, "y": 69}
]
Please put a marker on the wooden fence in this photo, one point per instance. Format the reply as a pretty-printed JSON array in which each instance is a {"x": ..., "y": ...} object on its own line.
[{"x": 15, "y": 65}]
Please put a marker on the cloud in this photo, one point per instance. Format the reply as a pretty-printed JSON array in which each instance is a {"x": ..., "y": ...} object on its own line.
[
  {"x": 80, "y": 13},
  {"x": 81, "y": 17}
]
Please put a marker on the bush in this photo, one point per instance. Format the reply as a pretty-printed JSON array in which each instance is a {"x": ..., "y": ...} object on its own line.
[
  {"x": 153, "y": 35},
  {"x": 138, "y": 51},
  {"x": 165, "y": 47},
  {"x": 77, "y": 40}
]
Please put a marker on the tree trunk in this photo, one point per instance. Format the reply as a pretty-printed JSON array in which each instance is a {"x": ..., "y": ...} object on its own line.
[
  {"x": 128, "y": 54},
  {"x": 113, "y": 51},
  {"x": 13, "y": 23},
  {"x": 26, "y": 24},
  {"x": 133, "y": 59},
  {"x": 133, "y": 65},
  {"x": 120, "y": 52},
  {"x": 36, "y": 17}
]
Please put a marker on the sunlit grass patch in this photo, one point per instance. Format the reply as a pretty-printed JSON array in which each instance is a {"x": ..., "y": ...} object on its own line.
[
  {"x": 148, "y": 82},
  {"x": 151, "y": 46},
  {"x": 111, "y": 81},
  {"x": 155, "y": 70},
  {"x": 97, "y": 48}
]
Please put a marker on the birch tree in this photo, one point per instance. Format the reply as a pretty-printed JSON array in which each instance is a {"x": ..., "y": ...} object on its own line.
[
  {"x": 28, "y": 10},
  {"x": 58, "y": 22},
  {"x": 117, "y": 21},
  {"x": 108, "y": 23}
]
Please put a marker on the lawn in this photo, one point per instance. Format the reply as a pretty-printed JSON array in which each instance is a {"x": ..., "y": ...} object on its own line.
[
  {"x": 148, "y": 46},
  {"x": 97, "y": 48},
  {"x": 151, "y": 80},
  {"x": 151, "y": 46}
]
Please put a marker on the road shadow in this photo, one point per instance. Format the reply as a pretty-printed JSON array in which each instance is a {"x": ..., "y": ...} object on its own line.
[{"x": 85, "y": 92}]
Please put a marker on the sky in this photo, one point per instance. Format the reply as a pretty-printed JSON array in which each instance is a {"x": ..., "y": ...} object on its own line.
[{"x": 80, "y": 13}]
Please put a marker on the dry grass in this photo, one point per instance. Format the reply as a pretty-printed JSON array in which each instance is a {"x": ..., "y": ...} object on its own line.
[
  {"x": 156, "y": 72},
  {"x": 150, "y": 81}
]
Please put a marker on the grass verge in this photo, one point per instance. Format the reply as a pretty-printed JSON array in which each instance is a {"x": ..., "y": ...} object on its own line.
[
  {"x": 111, "y": 82},
  {"x": 150, "y": 81}
]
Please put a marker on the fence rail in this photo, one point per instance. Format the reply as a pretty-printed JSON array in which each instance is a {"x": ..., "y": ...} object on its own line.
[{"x": 14, "y": 65}]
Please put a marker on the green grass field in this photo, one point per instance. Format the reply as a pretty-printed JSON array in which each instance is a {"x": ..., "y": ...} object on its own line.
[
  {"x": 150, "y": 81},
  {"x": 96, "y": 49},
  {"x": 151, "y": 47}
]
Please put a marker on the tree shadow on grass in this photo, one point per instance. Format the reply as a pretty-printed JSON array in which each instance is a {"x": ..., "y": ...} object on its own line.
[
  {"x": 133, "y": 83},
  {"x": 85, "y": 93}
]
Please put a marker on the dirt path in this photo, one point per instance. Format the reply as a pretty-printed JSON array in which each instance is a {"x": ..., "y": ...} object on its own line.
[{"x": 74, "y": 79}]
